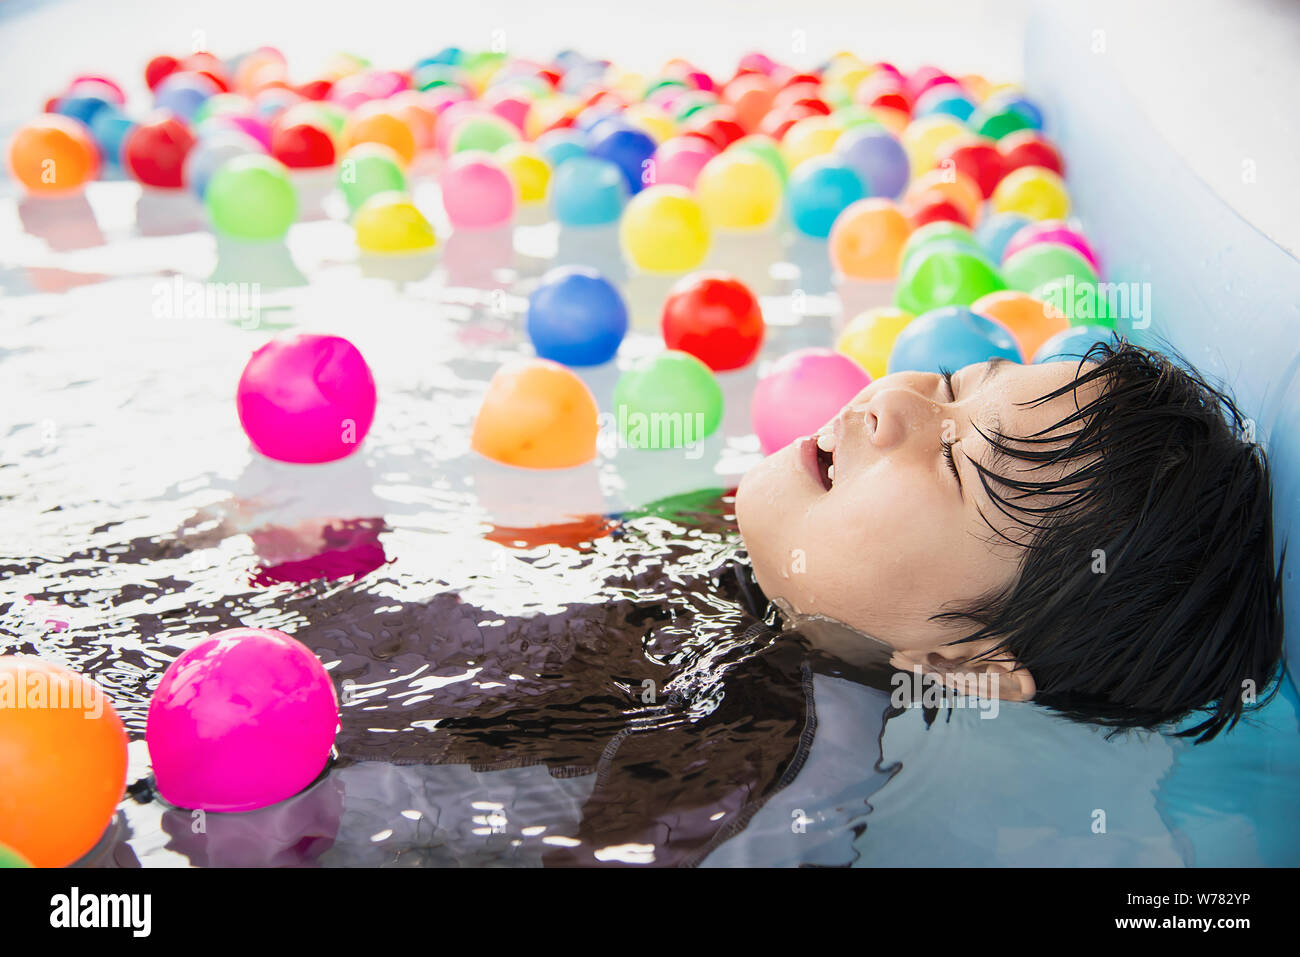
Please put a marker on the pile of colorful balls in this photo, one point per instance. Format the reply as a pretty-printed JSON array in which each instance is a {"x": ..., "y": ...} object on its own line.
[{"x": 940, "y": 193}]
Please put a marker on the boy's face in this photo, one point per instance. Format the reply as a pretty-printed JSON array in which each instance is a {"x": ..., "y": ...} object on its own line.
[{"x": 897, "y": 538}]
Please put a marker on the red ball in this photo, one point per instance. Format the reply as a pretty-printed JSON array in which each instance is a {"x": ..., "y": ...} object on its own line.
[
  {"x": 159, "y": 68},
  {"x": 154, "y": 152},
  {"x": 302, "y": 146},
  {"x": 936, "y": 208},
  {"x": 1027, "y": 148},
  {"x": 316, "y": 89},
  {"x": 978, "y": 159},
  {"x": 715, "y": 318},
  {"x": 719, "y": 127}
]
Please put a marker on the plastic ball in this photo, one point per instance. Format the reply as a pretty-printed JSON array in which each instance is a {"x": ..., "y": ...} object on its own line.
[
  {"x": 303, "y": 146},
  {"x": 1031, "y": 321},
  {"x": 63, "y": 751},
  {"x": 391, "y": 223},
  {"x": 950, "y": 338},
  {"x": 668, "y": 401},
  {"x": 183, "y": 93},
  {"x": 934, "y": 206},
  {"x": 209, "y": 155},
  {"x": 1072, "y": 343},
  {"x": 1044, "y": 262},
  {"x": 766, "y": 149},
  {"x": 869, "y": 337},
  {"x": 53, "y": 155},
  {"x": 242, "y": 720},
  {"x": 367, "y": 170},
  {"x": 1051, "y": 231},
  {"x": 678, "y": 161},
  {"x": 664, "y": 230},
  {"x": 809, "y": 137},
  {"x": 867, "y": 240},
  {"x": 627, "y": 148},
  {"x": 943, "y": 235},
  {"x": 476, "y": 192},
  {"x": 995, "y": 231},
  {"x": 716, "y": 318},
  {"x": 158, "y": 69},
  {"x": 819, "y": 190},
  {"x": 587, "y": 191},
  {"x": 1080, "y": 301},
  {"x": 83, "y": 108},
  {"x": 802, "y": 392},
  {"x": 374, "y": 124},
  {"x": 940, "y": 276},
  {"x": 948, "y": 185},
  {"x": 946, "y": 101},
  {"x": 878, "y": 158},
  {"x": 250, "y": 197},
  {"x": 110, "y": 128},
  {"x": 576, "y": 317},
  {"x": 1032, "y": 191},
  {"x": 10, "y": 858},
  {"x": 976, "y": 158},
  {"x": 307, "y": 399},
  {"x": 527, "y": 169},
  {"x": 487, "y": 133},
  {"x": 997, "y": 123},
  {"x": 536, "y": 414},
  {"x": 560, "y": 146},
  {"x": 155, "y": 151},
  {"x": 738, "y": 191},
  {"x": 924, "y": 138},
  {"x": 1028, "y": 148}
]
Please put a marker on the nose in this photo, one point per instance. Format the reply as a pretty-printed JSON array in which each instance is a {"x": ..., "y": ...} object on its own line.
[{"x": 893, "y": 416}]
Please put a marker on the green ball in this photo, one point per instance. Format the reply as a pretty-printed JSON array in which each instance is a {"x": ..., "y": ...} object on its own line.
[
  {"x": 221, "y": 104},
  {"x": 1080, "y": 302},
  {"x": 251, "y": 197},
  {"x": 692, "y": 102},
  {"x": 944, "y": 275},
  {"x": 852, "y": 115},
  {"x": 11, "y": 858},
  {"x": 1042, "y": 263},
  {"x": 669, "y": 401},
  {"x": 997, "y": 125},
  {"x": 433, "y": 75},
  {"x": 949, "y": 235},
  {"x": 662, "y": 83},
  {"x": 367, "y": 170},
  {"x": 486, "y": 133},
  {"x": 765, "y": 148},
  {"x": 334, "y": 117}
]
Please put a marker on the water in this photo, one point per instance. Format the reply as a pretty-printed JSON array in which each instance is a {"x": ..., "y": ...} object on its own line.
[{"x": 536, "y": 669}]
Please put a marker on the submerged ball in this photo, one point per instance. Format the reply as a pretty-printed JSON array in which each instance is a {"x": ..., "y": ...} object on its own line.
[{"x": 536, "y": 414}]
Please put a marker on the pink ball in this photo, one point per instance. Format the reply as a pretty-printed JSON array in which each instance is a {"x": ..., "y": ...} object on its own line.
[
  {"x": 512, "y": 109},
  {"x": 243, "y": 719},
  {"x": 804, "y": 391},
  {"x": 678, "y": 161},
  {"x": 307, "y": 398},
  {"x": 249, "y": 125},
  {"x": 476, "y": 192},
  {"x": 1051, "y": 231}
]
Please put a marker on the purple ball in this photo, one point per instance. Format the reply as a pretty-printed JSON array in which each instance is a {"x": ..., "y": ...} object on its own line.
[{"x": 878, "y": 158}]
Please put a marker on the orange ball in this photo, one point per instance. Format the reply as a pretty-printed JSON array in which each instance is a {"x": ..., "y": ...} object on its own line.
[
  {"x": 376, "y": 123},
  {"x": 62, "y": 759},
  {"x": 1031, "y": 321},
  {"x": 538, "y": 415},
  {"x": 409, "y": 107},
  {"x": 53, "y": 154},
  {"x": 867, "y": 240},
  {"x": 954, "y": 185}
]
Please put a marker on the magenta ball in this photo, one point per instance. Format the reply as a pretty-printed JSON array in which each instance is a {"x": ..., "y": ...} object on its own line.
[
  {"x": 802, "y": 392},
  {"x": 678, "y": 161},
  {"x": 476, "y": 192},
  {"x": 243, "y": 719},
  {"x": 306, "y": 399},
  {"x": 1051, "y": 231}
]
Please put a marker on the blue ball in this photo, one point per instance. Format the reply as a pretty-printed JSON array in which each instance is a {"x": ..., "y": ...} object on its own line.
[
  {"x": 211, "y": 153},
  {"x": 820, "y": 189},
  {"x": 628, "y": 148},
  {"x": 110, "y": 128},
  {"x": 878, "y": 158},
  {"x": 952, "y": 337},
  {"x": 994, "y": 232},
  {"x": 941, "y": 100},
  {"x": 447, "y": 56},
  {"x": 587, "y": 191},
  {"x": 84, "y": 108},
  {"x": 561, "y": 145},
  {"x": 1072, "y": 343},
  {"x": 576, "y": 317},
  {"x": 1001, "y": 102},
  {"x": 183, "y": 94}
]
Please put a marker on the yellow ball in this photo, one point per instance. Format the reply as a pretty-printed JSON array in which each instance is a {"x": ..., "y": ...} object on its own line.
[
  {"x": 923, "y": 138},
  {"x": 664, "y": 230},
  {"x": 811, "y": 136},
  {"x": 891, "y": 119},
  {"x": 528, "y": 170},
  {"x": 738, "y": 190},
  {"x": 648, "y": 118},
  {"x": 868, "y": 339},
  {"x": 390, "y": 223},
  {"x": 547, "y": 111},
  {"x": 1032, "y": 191}
]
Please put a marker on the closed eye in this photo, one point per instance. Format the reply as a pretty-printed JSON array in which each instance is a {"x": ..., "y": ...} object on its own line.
[{"x": 946, "y": 446}]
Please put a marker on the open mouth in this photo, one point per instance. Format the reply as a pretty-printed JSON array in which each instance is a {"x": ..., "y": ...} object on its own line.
[
  {"x": 819, "y": 462},
  {"x": 825, "y": 467}
]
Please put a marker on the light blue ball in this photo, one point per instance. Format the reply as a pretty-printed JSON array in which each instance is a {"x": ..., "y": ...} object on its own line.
[
  {"x": 1072, "y": 343},
  {"x": 820, "y": 189},
  {"x": 110, "y": 128},
  {"x": 576, "y": 317},
  {"x": 183, "y": 94},
  {"x": 558, "y": 146},
  {"x": 941, "y": 100},
  {"x": 994, "y": 232},
  {"x": 587, "y": 191},
  {"x": 211, "y": 153},
  {"x": 951, "y": 338},
  {"x": 878, "y": 158}
]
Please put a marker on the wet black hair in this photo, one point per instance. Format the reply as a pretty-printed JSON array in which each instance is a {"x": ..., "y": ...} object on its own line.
[{"x": 1146, "y": 592}]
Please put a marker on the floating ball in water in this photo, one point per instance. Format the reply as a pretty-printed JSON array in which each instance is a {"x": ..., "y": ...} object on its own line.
[
  {"x": 819, "y": 190},
  {"x": 302, "y": 146},
  {"x": 766, "y": 149},
  {"x": 536, "y": 414},
  {"x": 943, "y": 235},
  {"x": 944, "y": 276},
  {"x": 373, "y": 123},
  {"x": 1072, "y": 343},
  {"x": 668, "y": 401},
  {"x": 587, "y": 191},
  {"x": 369, "y": 169},
  {"x": 1031, "y": 321},
  {"x": 995, "y": 231},
  {"x": 949, "y": 185},
  {"x": 210, "y": 154},
  {"x": 1051, "y": 231},
  {"x": 714, "y": 317},
  {"x": 1032, "y": 191},
  {"x": 154, "y": 152},
  {"x": 576, "y": 317},
  {"x": 476, "y": 192},
  {"x": 678, "y": 161},
  {"x": 110, "y": 128},
  {"x": 527, "y": 169},
  {"x": 952, "y": 338},
  {"x": 801, "y": 393},
  {"x": 250, "y": 197},
  {"x": 391, "y": 223},
  {"x": 739, "y": 191},
  {"x": 924, "y": 138},
  {"x": 627, "y": 148},
  {"x": 184, "y": 93},
  {"x": 809, "y": 137},
  {"x": 307, "y": 398},
  {"x": 63, "y": 751},
  {"x": 663, "y": 230},
  {"x": 560, "y": 146},
  {"x": 241, "y": 720},
  {"x": 1041, "y": 263},
  {"x": 867, "y": 240},
  {"x": 53, "y": 154},
  {"x": 976, "y": 158},
  {"x": 868, "y": 339}
]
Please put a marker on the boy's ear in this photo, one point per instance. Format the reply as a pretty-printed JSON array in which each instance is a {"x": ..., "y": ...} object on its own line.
[{"x": 958, "y": 664}]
